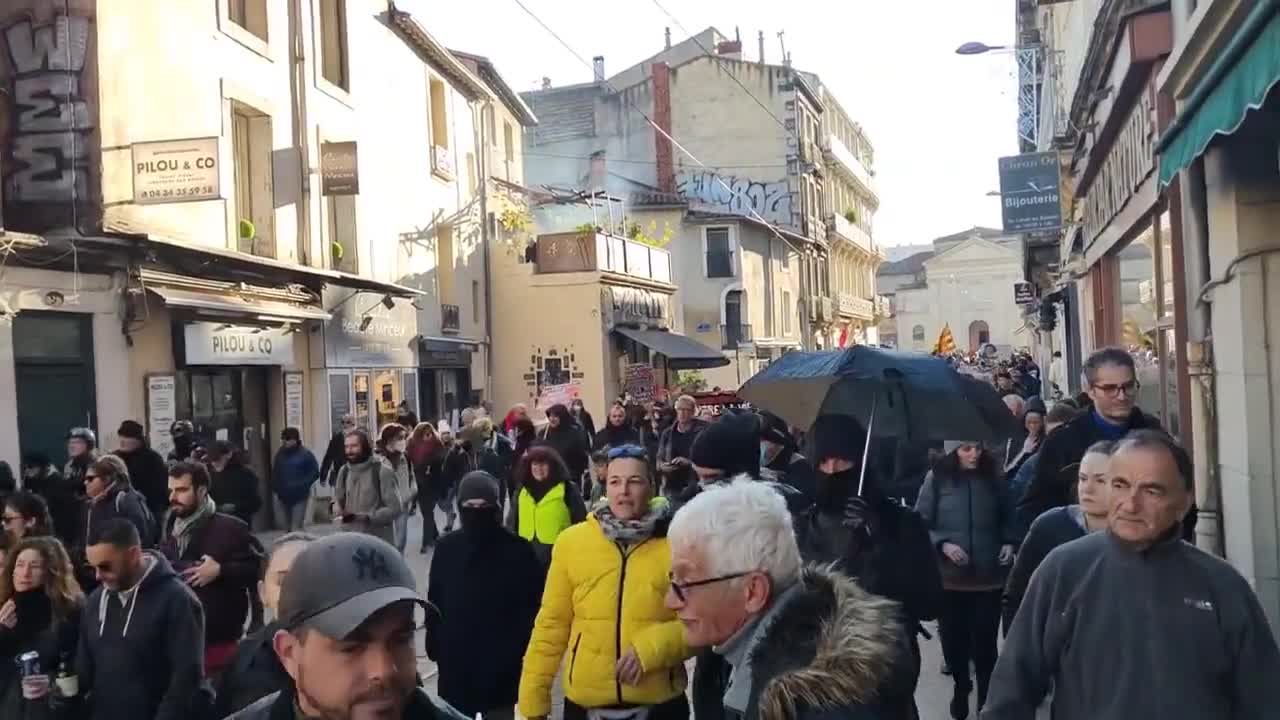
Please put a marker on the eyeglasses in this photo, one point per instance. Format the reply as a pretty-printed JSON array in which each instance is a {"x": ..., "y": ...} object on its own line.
[
  {"x": 1110, "y": 390},
  {"x": 634, "y": 452},
  {"x": 682, "y": 589}
]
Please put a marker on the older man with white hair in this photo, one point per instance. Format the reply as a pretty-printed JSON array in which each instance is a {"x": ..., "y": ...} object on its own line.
[{"x": 781, "y": 641}]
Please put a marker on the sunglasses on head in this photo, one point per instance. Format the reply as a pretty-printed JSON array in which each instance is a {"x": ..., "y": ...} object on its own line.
[{"x": 634, "y": 452}]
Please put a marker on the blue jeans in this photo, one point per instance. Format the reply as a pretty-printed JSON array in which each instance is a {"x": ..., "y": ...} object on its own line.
[{"x": 400, "y": 529}]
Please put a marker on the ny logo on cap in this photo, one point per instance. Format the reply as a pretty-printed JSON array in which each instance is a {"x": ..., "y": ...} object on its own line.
[{"x": 372, "y": 563}]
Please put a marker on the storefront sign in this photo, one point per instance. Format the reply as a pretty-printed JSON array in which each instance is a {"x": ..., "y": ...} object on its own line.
[
  {"x": 293, "y": 400},
  {"x": 638, "y": 382},
  {"x": 175, "y": 171},
  {"x": 161, "y": 411},
  {"x": 1130, "y": 160},
  {"x": 364, "y": 332},
  {"x": 1024, "y": 293},
  {"x": 210, "y": 343},
  {"x": 1029, "y": 196},
  {"x": 633, "y": 306},
  {"x": 339, "y": 172}
]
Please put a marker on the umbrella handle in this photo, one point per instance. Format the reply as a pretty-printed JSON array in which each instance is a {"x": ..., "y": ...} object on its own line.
[{"x": 866, "y": 448}]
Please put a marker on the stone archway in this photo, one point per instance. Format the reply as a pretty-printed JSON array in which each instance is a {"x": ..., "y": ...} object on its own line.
[{"x": 979, "y": 334}]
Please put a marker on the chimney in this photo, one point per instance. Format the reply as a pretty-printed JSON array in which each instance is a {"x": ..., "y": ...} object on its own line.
[
  {"x": 761, "y": 47},
  {"x": 662, "y": 119},
  {"x": 598, "y": 174},
  {"x": 546, "y": 83},
  {"x": 668, "y": 34},
  {"x": 597, "y": 68}
]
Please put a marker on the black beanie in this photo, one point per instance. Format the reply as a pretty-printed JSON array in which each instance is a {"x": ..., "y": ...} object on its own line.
[
  {"x": 479, "y": 485},
  {"x": 775, "y": 430},
  {"x": 731, "y": 445},
  {"x": 131, "y": 429},
  {"x": 837, "y": 436}
]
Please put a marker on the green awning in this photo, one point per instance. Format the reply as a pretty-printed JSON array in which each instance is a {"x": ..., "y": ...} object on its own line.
[{"x": 1238, "y": 82}]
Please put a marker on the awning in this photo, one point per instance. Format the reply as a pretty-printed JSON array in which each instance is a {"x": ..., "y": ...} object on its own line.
[
  {"x": 221, "y": 305},
  {"x": 1239, "y": 81},
  {"x": 681, "y": 352}
]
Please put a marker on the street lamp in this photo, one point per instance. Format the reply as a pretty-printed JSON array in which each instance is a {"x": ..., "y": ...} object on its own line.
[{"x": 977, "y": 48}]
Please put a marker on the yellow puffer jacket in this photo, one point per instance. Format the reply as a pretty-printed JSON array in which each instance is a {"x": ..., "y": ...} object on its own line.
[{"x": 598, "y": 604}]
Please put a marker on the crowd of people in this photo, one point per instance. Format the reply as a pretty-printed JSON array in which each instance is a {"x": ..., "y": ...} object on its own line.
[{"x": 598, "y": 565}]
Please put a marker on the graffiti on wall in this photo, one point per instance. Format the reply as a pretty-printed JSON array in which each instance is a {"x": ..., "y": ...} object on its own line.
[
  {"x": 49, "y": 117},
  {"x": 737, "y": 196}
]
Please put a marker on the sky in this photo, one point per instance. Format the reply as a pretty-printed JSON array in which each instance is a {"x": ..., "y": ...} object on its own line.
[{"x": 938, "y": 120}]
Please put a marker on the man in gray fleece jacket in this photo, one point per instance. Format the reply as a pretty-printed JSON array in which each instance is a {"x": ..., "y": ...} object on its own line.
[
  {"x": 1133, "y": 622},
  {"x": 365, "y": 498}
]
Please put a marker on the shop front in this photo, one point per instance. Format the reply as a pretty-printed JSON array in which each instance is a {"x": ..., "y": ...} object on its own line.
[
  {"x": 639, "y": 321},
  {"x": 1129, "y": 246},
  {"x": 444, "y": 378},
  {"x": 369, "y": 358}
]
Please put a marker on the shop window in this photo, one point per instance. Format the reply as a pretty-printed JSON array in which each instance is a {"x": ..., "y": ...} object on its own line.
[
  {"x": 1144, "y": 287},
  {"x": 250, "y": 15},
  {"x": 333, "y": 43},
  {"x": 344, "y": 252},
  {"x": 251, "y": 144},
  {"x": 386, "y": 386}
]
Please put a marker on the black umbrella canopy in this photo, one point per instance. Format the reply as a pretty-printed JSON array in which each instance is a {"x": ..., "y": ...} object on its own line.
[{"x": 914, "y": 395}]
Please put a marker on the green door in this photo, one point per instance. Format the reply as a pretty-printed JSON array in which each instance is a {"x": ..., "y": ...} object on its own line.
[{"x": 53, "y": 367}]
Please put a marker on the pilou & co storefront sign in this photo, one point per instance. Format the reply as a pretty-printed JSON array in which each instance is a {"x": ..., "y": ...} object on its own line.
[{"x": 172, "y": 171}]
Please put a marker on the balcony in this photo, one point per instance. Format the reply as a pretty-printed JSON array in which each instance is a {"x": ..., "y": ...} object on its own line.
[
  {"x": 884, "y": 306},
  {"x": 843, "y": 159},
  {"x": 442, "y": 162},
  {"x": 845, "y": 230},
  {"x": 450, "y": 318},
  {"x": 821, "y": 309},
  {"x": 733, "y": 337},
  {"x": 851, "y": 305},
  {"x": 599, "y": 252}
]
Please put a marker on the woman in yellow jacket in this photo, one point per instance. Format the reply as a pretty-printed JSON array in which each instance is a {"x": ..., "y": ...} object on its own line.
[{"x": 603, "y": 622}]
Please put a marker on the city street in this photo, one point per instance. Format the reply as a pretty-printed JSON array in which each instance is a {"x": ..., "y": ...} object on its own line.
[{"x": 933, "y": 694}]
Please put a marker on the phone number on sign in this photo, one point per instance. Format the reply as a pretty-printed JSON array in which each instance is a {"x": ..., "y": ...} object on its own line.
[{"x": 177, "y": 192}]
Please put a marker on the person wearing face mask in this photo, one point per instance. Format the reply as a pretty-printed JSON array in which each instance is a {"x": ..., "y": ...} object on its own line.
[
  {"x": 393, "y": 441},
  {"x": 871, "y": 538},
  {"x": 780, "y": 454},
  {"x": 966, "y": 505},
  {"x": 485, "y": 587},
  {"x": 40, "y": 604}
]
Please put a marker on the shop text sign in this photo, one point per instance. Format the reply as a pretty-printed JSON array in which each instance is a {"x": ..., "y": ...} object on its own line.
[
  {"x": 339, "y": 170},
  {"x": 1029, "y": 197},
  {"x": 175, "y": 171},
  {"x": 218, "y": 344}
]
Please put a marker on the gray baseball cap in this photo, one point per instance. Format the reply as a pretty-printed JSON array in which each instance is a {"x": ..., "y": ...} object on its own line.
[{"x": 338, "y": 582}]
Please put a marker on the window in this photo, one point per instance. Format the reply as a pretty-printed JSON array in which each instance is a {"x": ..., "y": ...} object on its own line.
[
  {"x": 492, "y": 121},
  {"x": 734, "y": 332},
  {"x": 786, "y": 257},
  {"x": 917, "y": 333},
  {"x": 441, "y": 160},
  {"x": 719, "y": 252},
  {"x": 254, "y": 210},
  {"x": 786, "y": 312},
  {"x": 344, "y": 253},
  {"x": 333, "y": 42},
  {"x": 250, "y": 15},
  {"x": 444, "y": 263},
  {"x": 475, "y": 301},
  {"x": 508, "y": 144}
]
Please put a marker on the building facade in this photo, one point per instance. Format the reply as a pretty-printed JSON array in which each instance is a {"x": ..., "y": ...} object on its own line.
[{"x": 250, "y": 220}]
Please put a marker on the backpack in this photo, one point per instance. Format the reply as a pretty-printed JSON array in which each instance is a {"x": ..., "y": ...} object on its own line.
[{"x": 150, "y": 532}]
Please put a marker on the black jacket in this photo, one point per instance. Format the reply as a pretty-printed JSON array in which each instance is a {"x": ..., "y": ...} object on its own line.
[
  {"x": 1055, "y": 527},
  {"x": 145, "y": 658},
  {"x": 237, "y": 487},
  {"x": 1054, "y": 482},
  {"x": 570, "y": 442},
  {"x": 794, "y": 469},
  {"x": 334, "y": 458},
  {"x": 117, "y": 502},
  {"x": 64, "y": 492},
  {"x": 54, "y": 641},
  {"x": 611, "y": 436},
  {"x": 227, "y": 540},
  {"x": 149, "y": 475},
  {"x": 833, "y": 651},
  {"x": 253, "y": 673},
  {"x": 281, "y": 706},
  {"x": 487, "y": 588},
  {"x": 896, "y": 560}
]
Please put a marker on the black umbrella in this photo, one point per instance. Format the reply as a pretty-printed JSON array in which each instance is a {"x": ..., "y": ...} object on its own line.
[{"x": 891, "y": 394}]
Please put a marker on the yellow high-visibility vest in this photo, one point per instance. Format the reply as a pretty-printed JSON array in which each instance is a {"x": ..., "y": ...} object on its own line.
[{"x": 543, "y": 520}]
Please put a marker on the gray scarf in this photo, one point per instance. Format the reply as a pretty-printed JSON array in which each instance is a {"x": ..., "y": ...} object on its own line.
[
  {"x": 183, "y": 526},
  {"x": 629, "y": 532}
]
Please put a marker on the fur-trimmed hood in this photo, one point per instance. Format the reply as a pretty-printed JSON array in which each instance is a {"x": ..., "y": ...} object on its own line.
[{"x": 832, "y": 646}]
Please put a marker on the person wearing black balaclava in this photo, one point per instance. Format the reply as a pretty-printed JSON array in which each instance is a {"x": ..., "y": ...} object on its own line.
[
  {"x": 485, "y": 588},
  {"x": 871, "y": 538},
  {"x": 729, "y": 448},
  {"x": 780, "y": 455}
]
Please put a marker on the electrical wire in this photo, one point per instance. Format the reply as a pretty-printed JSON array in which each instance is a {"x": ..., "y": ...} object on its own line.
[
  {"x": 754, "y": 215},
  {"x": 728, "y": 71},
  {"x": 649, "y": 162}
]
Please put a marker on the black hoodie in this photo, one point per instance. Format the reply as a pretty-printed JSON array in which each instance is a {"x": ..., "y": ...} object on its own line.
[{"x": 143, "y": 658}]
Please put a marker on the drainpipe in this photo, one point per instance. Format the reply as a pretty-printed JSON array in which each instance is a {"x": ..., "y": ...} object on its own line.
[
  {"x": 482, "y": 158},
  {"x": 1204, "y": 425},
  {"x": 298, "y": 109}
]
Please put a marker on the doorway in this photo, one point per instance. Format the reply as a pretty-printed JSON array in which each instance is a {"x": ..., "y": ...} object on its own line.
[
  {"x": 53, "y": 367},
  {"x": 979, "y": 335},
  {"x": 231, "y": 404}
]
